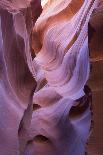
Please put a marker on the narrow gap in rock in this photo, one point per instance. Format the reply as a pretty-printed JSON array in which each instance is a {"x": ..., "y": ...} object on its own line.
[
  {"x": 80, "y": 108},
  {"x": 36, "y": 107},
  {"x": 82, "y": 104},
  {"x": 25, "y": 124},
  {"x": 41, "y": 139}
]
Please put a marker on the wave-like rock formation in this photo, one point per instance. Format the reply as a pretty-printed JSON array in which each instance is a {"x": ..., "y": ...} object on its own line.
[{"x": 45, "y": 104}]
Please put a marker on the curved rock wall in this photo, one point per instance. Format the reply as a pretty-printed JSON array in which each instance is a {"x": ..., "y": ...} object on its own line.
[{"x": 44, "y": 66}]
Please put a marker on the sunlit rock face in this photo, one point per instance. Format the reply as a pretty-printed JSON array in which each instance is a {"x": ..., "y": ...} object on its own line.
[{"x": 44, "y": 66}]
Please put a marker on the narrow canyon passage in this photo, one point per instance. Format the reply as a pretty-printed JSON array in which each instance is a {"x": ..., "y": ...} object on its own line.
[{"x": 47, "y": 55}]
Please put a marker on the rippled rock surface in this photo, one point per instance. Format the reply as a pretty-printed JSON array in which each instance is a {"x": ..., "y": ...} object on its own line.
[{"x": 45, "y": 104}]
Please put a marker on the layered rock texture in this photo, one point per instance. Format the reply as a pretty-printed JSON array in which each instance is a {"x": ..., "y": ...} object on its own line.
[
  {"x": 96, "y": 79},
  {"x": 45, "y": 103}
]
